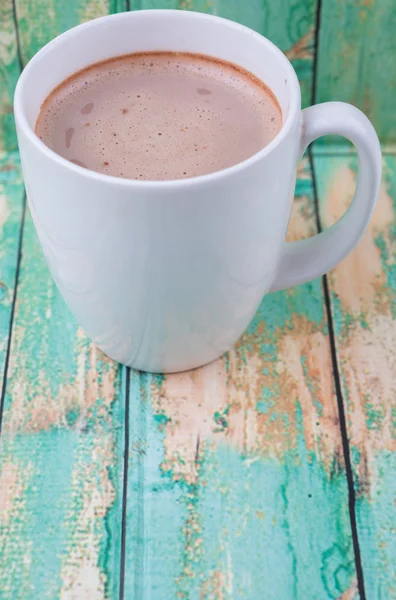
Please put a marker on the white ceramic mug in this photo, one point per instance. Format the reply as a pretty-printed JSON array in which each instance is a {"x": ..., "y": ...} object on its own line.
[{"x": 166, "y": 275}]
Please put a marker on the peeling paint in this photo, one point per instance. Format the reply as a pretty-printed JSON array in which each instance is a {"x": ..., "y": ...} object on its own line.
[{"x": 362, "y": 294}]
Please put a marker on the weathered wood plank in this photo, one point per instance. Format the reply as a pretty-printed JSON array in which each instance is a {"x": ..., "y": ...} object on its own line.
[
  {"x": 230, "y": 516},
  {"x": 9, "y": 72},
  {"x": 61, "y": 450},
  {"x": 54, "y": 18},
  {"x": 363, "y": 291},
  {"x": 11, "y": 209},
  {"x": 236, "y": 483},
  {"x": 62, "y": 436},
  {"x": 357, "y": 46},
  {"x": 294, "y": 34}
]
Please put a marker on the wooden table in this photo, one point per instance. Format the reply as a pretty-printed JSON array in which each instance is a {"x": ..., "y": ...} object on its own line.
[{"x": 267, "y": 475}]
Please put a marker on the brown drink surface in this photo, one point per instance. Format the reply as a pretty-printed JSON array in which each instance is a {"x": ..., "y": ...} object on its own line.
[{"x": 159, "y": 116}]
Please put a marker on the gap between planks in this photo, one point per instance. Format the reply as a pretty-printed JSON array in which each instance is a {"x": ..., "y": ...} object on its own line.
[
  {"x": 329, "y": 316},
  {"x": 340, "y": 404}
]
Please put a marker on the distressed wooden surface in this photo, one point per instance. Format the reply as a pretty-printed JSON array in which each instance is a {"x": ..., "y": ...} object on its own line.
[
  {"x": 60, "y": 449},
  {"x": 56, "y": 17},
  {"x": 356, "y": 59},
  {"x": 11, "y": 211},
  {"x": 230, "y": 481},
  {"x": 363, "y": 290},
  {"x": 9, "y": 73}
]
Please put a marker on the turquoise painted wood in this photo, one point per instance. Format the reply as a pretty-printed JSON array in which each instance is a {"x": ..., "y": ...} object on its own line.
[
  {"x": 55, "y": 18},
  {"x": 11, "y": 211},
  {"x": 60, "y": 450},
  {"x": 233, "y": 483},
  {"x": 9, "y": 73},
  {"x": 357, "y": 46},
  {"x": 364, "y": 316}
]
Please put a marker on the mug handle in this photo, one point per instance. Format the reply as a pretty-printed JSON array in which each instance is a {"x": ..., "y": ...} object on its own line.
[{"x": 306, "y": 259}]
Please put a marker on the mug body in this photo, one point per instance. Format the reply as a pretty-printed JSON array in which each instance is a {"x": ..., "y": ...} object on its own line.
[{"x": 163, "y": 276}]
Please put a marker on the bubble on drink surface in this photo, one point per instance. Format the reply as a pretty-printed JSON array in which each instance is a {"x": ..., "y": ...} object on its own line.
[
  {"x": 87, "y": 108},
  {"x": 68, "y": 136}
]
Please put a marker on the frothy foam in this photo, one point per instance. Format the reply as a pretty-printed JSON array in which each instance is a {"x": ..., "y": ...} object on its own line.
[{"x": 159, "y": 116}]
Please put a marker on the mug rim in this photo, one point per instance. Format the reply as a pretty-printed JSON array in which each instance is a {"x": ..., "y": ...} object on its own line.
[{"x": 294, "y": 109}]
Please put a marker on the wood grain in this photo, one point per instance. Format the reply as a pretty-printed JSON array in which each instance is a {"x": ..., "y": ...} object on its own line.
[
  {"x": 11, "y": 209},
  {"x": 357, "y": 46},
  {"x": 236, "y": 482},
  {"x": 363, "y": 291},
  {"x": 61, "y": 450},
  {"x": 236, "y": 479},
  {"x": 55, "y": 18},
  {"x": 9, "y": 72}
]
